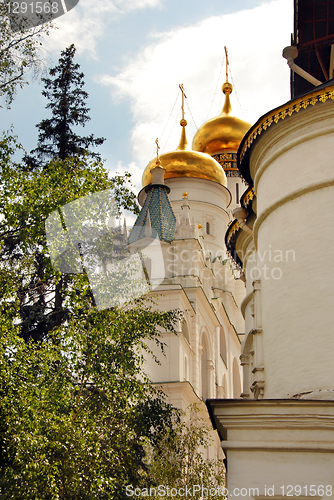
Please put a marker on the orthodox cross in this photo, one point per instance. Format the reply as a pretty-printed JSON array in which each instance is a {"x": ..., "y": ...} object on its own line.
[
  {"x": 183, "y": 96},
  {"x": 158, "y": 147},
  {"x": 227, "y": 63}
]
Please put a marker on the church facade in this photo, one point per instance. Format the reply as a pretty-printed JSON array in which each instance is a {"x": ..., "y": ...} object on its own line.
[
  {"x": 250, "y": 267},
  {"x": 187, "y": 200}
]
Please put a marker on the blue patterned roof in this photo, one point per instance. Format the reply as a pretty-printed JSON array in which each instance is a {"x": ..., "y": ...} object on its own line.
[{"x": 162, "y": 217}]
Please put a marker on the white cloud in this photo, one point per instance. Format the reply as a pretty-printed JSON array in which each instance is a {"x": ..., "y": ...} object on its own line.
[
  {"x": 127, "y": 5},
  {"x": 193, "y": 56},
  {"x": 86, "y": 24}
]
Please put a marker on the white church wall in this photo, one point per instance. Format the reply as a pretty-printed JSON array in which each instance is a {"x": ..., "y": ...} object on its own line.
[
  {"x": 294, "y": 177},
  {"x": 277, "y": 450}
]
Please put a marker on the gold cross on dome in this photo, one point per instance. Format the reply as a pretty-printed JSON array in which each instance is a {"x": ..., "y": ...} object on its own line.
[
  {"x": 227, "y": 63},
  {"x": 158, "y": 162},
  {"x": 183, "y": 96}
]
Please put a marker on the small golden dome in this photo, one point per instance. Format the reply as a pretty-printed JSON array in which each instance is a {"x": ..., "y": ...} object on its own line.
[
  {"x": 223, "y": 132},
  {"x": 187, "y": 163}
]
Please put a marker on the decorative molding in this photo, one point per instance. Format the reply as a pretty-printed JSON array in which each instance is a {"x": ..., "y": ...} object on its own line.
[
  {"x": 287, "y": 110},
  {"x": 249, "y": 195},
  {"x": 278, "y": 421},
  {"x": 225, "y": 157},
  {"x": 254, "y": 331},
  {"x": 309, "y": 446},
  {"x": 229, "y": 163},
  {"x": 258, "y": 369},
  {"x": 210, "y": 365},
  {"x": 233, "y": 228},
  {"x": 244, "y": 359},
  {"x": 257, "y": 389}
]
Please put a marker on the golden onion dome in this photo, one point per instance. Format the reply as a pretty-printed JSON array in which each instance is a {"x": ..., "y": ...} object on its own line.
[
  {"x": 222, "y": 133},
  {"x": 186, "y": 163}
]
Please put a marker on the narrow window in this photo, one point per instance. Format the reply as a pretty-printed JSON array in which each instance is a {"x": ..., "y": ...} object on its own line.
[
  {"x": 237, "y": 193},
  {"x": 207, "y": 228}
]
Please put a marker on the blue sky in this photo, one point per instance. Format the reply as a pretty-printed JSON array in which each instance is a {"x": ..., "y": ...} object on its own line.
[{"x": 134, "y": 53}]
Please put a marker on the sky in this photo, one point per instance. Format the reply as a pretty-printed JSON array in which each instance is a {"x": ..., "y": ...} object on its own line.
[{"x": 135, "y": 53}]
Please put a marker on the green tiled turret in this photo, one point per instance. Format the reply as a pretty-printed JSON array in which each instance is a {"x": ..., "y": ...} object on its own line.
[{"x": 157, "y": 214}]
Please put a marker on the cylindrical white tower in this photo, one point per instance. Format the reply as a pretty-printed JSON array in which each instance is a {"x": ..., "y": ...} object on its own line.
[{"x": 289, "y": 155}]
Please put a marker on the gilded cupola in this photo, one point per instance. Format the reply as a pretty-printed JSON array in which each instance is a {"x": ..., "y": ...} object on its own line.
[
  {"x": 184, "y": 162},
  {"x": 224, "y": 132}
]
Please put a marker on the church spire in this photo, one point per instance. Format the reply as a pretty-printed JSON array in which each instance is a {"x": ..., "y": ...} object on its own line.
[
  {"x": 156, "y": 219},
  {"x": 158, "y": 171},
  {"x": 158, "y": 162},
  {"x": 183, "y": 145},
  {"x": 227, "y": 89}
]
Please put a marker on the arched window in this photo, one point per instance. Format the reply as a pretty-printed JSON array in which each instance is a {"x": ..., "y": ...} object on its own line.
[
  {"x": 222, "y": 345},
  {"x": 236, "y": 379},
  {"x": 208, "y": 228}
]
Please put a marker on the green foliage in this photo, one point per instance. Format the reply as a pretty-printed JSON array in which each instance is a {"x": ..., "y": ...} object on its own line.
[
  {"x": 76, "y": 408},
  {"x": 19, "y": 53},
  {"x": 66, "y": 100},
  {"x": 72, "y": 414},
  {"x": 178, "y": 460},
  {"x": 27, "y": 198}
]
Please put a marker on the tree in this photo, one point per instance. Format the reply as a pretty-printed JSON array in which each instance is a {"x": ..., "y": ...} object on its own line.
[
  {"x": 77, "y": 408},
  {"x": 27, "y": 199},
  {"x": 178, "y": 460},
  {"x": 64, "y": 91},
  {"x": 73, "y": 411},
  {"x": 19, "y": 52},
  {"x": 70, "y": 175}
]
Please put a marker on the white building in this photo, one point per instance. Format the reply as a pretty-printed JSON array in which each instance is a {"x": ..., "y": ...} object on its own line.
[
  {"x": 187, "y": 197},
  {"x": 281, "y": 436}
]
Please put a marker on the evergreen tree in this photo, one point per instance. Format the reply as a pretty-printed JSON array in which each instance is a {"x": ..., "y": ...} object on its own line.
[
  {"x": 64, "y": 91},
  {"x": 28, "y": 197},
  {"x": 42, "y": 293}
]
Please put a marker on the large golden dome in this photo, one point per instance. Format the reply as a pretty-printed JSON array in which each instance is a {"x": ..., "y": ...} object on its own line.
[
  {"x": 187, "y": 163},
  {"x": 222, "y": 133}
]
